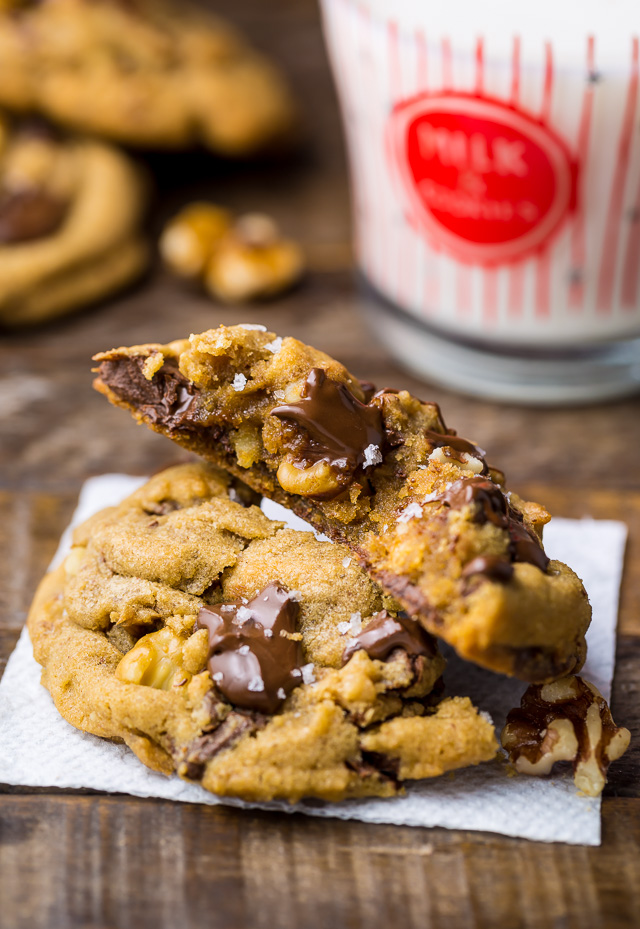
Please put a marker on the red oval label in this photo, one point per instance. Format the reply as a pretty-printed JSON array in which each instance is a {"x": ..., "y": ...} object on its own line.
[{"x": 485, "y": 181}]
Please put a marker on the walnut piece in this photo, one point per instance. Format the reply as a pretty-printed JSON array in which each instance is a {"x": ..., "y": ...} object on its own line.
[
  {"x": 237, "y": 260},
  {"x": 190, "y": 238},
  {"x": 253, "y": 261},
  {"x": 156, "y": 660},
  {"x": 567, "y": 720}
]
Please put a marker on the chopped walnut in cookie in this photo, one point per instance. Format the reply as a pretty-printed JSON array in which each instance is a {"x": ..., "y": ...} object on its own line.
[{"x": 567, "y": 720}]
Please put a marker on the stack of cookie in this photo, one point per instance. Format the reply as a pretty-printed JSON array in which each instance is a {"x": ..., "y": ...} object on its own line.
[
  {"x": 264, "y": 662},
  {"x": 145, "y": 73}
]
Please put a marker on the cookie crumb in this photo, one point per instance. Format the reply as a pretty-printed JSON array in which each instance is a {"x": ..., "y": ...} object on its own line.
[{"x": 152, "y": 365}]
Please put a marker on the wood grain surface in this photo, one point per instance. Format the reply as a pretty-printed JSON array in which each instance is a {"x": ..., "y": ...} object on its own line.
[{"x": 79, "y": 859}]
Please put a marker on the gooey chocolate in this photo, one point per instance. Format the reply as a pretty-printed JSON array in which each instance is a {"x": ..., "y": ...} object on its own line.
[
  {"x": 252, "y": 660},
  {"x": 384, "y": 633},
  {"x": 491, "y": 506},
  {"x": 339, "y": 428},
  {"x": 167, "y": 398},
  {"x": 29, "y": 213}
]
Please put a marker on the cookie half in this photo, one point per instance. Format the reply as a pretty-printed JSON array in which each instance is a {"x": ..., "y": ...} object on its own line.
[
  {"x": 419, "y": 506},
  {"x": 254, "y": 659}
]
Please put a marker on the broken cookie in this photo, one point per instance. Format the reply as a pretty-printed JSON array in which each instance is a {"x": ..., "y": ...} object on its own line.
[
  {"x": 380, "y": 472},
  {"x": 254, "y": 659}
]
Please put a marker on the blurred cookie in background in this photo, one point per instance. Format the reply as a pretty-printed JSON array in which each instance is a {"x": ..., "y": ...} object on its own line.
[
  {"x": 150, "y": 73},
  {"x": 70, "y": 214}
]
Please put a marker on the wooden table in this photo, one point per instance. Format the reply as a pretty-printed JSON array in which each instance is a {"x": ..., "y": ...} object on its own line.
[{"x": 82, "y": 859}]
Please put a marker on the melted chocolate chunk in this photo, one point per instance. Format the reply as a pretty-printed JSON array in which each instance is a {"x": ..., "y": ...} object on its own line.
[
  {"x": 253, "y": 664},
  {"x": 491, "y": 506},
  {"x": 29, "y": 214},
  {"x": 491, "y": 502},
  {"x": 375, "y": 764},
  {"x": 384, "y": 633},
  {"x": 495, "y": 567},
  {"x": 524, "y": 545},
  {"x": 168, "y": 398},
  {"x": 339, "y": 427},
  {"x": 528, "y": 723},
  {"x": 207, "y": 746}
]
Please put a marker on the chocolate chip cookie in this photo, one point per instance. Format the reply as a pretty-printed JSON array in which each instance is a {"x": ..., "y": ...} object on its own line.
[
  {"x": 252, "y": 658},
  {"x": 155, "y": 73},
  {"x": 419, "y": 506},
  {"x": 70, "y": 212}
]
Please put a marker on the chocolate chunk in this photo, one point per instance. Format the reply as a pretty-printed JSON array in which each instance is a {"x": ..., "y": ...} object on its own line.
[
  {"x": 384, "y": 633},
  {"x": 339, "y": 428},
  {"x": 29, "y": 214},
  {"x": 375, "y": 764},
  {"x": 252, "y": 659},
  {"x": 207, "y": 746},
  {"x": 523, "y": 543},
  {"x": 491, "y": 506},
  {"x": 491, "y": 502},
  {"x": 495, "y": 567},
  {"x": 168, "y": 398}
]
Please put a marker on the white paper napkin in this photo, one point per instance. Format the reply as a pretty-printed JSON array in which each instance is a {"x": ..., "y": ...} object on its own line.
[{"x": 39, "y": 749}]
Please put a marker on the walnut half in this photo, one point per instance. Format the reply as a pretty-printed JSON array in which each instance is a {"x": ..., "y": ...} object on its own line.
[{"x": 567, "y": 720}]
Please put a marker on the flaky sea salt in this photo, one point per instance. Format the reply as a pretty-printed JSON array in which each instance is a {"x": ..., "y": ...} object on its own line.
[
  {"x": 239, "y": 382},
  {"x": 346, "y": 562},
  {"x": 308, "y": 676},
  {"x": 244, "y": 650},
  {"x": 268, "y": 633},
  {"x": 257, "y": 326},
  {"x": 255, "y": 685},
  {"x": 344, "y": 627},
  {"x": 280, "y": 694},
  {"x": 355, "y": 622},
  {"x": 410, "y": 512},
  {"x": 217, "y": 676},
  {"x": 243, "y": 614},
  {"x": 274, "y": 346},
  {"x": 279, "y": 394},
  {"x": 372, "y": 456}
]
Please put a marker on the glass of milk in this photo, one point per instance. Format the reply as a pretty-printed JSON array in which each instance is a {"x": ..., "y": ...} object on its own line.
[{"x": 495, "y": 166}]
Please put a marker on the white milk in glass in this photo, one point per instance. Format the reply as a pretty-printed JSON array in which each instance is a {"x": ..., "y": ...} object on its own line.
[{"x": 495, "y": 165}]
